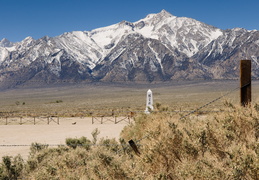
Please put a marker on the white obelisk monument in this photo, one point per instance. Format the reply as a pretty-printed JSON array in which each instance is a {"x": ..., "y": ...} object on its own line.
[{"x": 149, "y": 105}]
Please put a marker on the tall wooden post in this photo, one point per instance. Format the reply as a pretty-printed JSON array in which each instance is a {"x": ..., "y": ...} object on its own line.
[{"x": 245, "y": 82}]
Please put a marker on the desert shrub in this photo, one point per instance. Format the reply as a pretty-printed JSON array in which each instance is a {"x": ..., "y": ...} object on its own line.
[
  {"x": 95, "y": 134},
  {"x": 81, "y": 142},
  {"x": 219, "y": 146},
  {"x": 136, "y": 130},
  {"x": 222, "y": 145},
  {"x": 158, "y": 106},
  {"x": 110, "y": 144},
  {"x": 59, "y": 101},
  {"x": 11, "y": 168},
  {"x": 100, "y": 162},
  {"x": 32, "y": 164},
  {"x": 37, "y": 147}
]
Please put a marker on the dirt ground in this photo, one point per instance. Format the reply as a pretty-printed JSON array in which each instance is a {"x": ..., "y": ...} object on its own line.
[{"x": 16, "y": 139}]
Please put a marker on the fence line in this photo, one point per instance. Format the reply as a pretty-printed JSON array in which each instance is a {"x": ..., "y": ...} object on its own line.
[
  {"x": 54, "y": 145},
  {"x": 115, "y": 119},
  {"x": 214, "y": 100},
  {"x": 7, "y": 120},
  {"x": 56, "y": 119},
  {"x": 29, "y": 120}
]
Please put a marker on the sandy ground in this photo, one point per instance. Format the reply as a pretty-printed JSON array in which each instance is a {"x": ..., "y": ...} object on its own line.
[{"x": 21, "y": 136}]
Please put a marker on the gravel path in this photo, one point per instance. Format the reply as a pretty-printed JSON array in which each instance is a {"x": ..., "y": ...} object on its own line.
[{"x": 21, "y": 136}]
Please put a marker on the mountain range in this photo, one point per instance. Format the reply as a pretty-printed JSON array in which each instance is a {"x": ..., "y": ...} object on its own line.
[{"x": 159, "y": 47}]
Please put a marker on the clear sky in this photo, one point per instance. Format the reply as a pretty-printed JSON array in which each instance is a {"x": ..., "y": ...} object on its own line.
[{"x": 37, "y": 18}]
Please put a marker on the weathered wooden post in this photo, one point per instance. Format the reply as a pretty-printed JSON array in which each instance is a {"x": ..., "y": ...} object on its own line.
[
  {"x": 134, "y": 147},
  {"x": 245, "y": 82}
]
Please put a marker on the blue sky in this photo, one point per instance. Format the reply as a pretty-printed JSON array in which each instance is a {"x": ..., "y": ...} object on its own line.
[{"x": 37, "y": 18}]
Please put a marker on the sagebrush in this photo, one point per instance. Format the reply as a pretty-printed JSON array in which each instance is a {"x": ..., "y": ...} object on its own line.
[{"x": 221, "y": 145}]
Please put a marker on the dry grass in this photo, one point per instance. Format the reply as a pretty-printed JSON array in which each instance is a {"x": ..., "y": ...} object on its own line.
[{"x": 215, "y": 146}]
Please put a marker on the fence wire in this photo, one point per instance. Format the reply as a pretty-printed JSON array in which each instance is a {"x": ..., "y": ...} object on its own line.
[{"x": 199, "y": 108}]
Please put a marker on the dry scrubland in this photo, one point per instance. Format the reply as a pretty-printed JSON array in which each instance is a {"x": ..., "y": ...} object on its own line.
[
  {"x": 83, "y": 100},
  {"x": 218, "y": 145}
]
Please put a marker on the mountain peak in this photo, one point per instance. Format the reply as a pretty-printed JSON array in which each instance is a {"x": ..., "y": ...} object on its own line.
[
  {"x": 162, "y": 14},
  {"x": 5, "y": 43},
  {"x": 28, "y": 41},
  {"x": 4, "y": 39},
  {"x": 29, "y": 38},
  {"x": 165, "y": 13},
  {"x": 156, "y": 18}
]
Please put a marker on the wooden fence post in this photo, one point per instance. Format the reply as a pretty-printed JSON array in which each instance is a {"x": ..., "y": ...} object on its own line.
[
  {"x": 245, "y": 82},
  {"x": 134, "y": 147}
]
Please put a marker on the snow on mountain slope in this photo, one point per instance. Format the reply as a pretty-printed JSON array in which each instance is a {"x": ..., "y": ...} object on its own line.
[
  {"x": 108, "y": 37},
  {"x": 5, "y": 47},
  {"x": 185, "y": 34},
  {"x": 3, "y": 54},
  {"x": 158, "y": 47},
  {"x": 79, "y": 45}
]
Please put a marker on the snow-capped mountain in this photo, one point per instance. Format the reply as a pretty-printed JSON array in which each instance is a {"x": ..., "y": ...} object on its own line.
[{"x": 157, "y": 48}]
